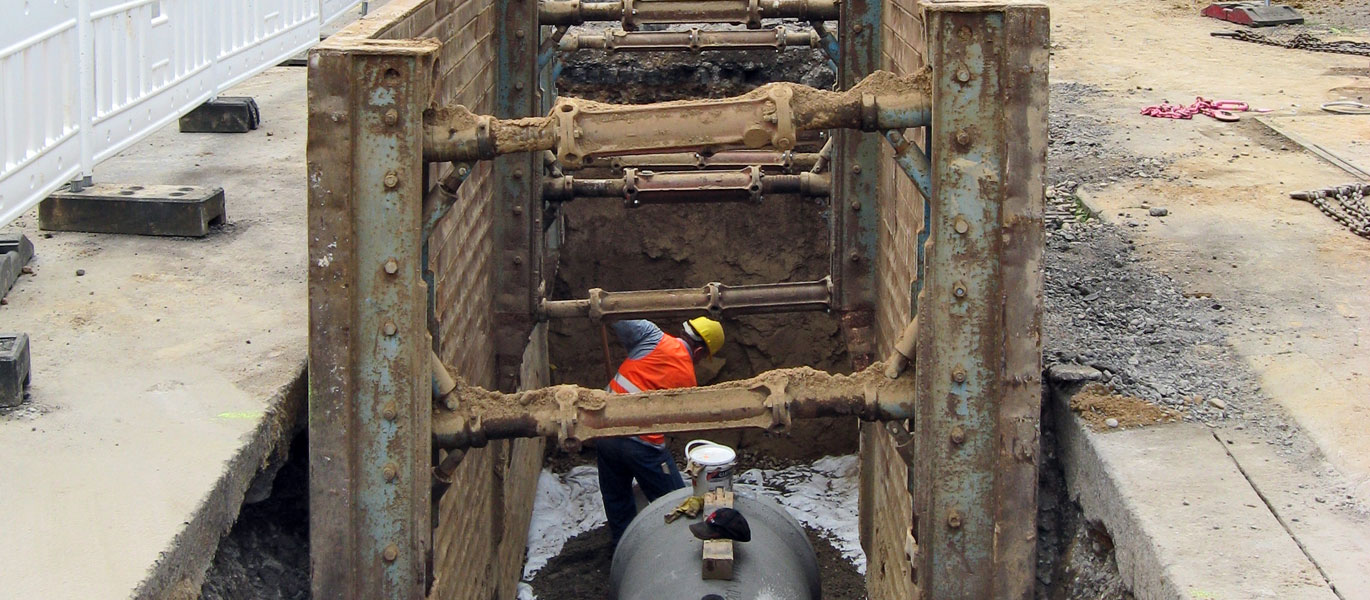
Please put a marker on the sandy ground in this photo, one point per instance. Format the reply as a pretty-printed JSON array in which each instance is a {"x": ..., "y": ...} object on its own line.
[{"x": 1296, "y": 284}]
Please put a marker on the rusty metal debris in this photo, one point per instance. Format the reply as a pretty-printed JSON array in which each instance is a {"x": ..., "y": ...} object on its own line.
[
  {"x": 471, "y": 416},
  {"x": 694, "y": 40},
  {"x": 638, "y": 187},
  {"x": 1345, "y": 204},
  {"x": 769, "y": 117},
  {"x": 634, "y": 13},
  {"x": 716, "y": 299}
]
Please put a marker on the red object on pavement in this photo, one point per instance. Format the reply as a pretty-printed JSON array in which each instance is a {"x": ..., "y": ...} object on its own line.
[
  {"x": 1218, "y": 109},
  {"x": 1253, "y": 14}
]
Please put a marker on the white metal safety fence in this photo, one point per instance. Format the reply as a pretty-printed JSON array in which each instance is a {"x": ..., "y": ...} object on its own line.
[{"x": 81, "y": 80}]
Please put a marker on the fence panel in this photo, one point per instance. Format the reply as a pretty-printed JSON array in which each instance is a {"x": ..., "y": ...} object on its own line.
[
  {"x": 40, "y": 122},
  {"x": 84, "y": 79}
]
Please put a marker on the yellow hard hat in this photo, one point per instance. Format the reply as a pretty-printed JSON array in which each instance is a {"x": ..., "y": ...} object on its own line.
[{"x": 706, "y": 330}]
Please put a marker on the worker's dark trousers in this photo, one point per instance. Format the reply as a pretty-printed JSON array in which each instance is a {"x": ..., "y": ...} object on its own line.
[{"x": 621, "y": 460}]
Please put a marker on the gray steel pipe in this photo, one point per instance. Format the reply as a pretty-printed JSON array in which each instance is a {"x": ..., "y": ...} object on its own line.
[
  {"x": 656, "y": 560},
  {"x": 715, "y": 299}
]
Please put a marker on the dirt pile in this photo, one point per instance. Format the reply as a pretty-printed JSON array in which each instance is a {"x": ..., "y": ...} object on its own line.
[{"x": 1104, "y": 409}]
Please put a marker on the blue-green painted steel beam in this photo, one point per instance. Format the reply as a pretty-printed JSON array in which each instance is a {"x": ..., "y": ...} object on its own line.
[
  {"x": 516, "y": 204},
  {"x": 979, "y": 349},
  {"x": 370, "y": 399},
  {"x": 855, "y": 176}
]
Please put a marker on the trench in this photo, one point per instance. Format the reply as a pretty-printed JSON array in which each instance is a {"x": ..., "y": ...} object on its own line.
[{"x": 785, "y": 238}]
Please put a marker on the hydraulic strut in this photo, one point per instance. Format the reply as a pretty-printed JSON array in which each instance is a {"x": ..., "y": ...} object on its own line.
[
  {"x": 768, "y": 117},
  {"x": 471, "y": 416},
  {"x": 677, "y": 161},
  {"x": 633, "y": 13},
  {"x": 694, "y": 40},
  {"x": 716, "y": 299},
  {"x": 638, "y": 187}
]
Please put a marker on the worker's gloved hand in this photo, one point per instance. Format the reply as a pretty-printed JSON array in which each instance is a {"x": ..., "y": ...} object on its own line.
[{"x": 691, "y": 507}]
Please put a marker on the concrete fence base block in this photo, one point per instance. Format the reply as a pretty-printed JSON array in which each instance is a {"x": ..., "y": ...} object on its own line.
[
  {"x": 135, "y": 209},
  {"x": 225, "y": 114},
  {"x": 1185, "y": 522},
  {"x": 15, "y": 251},
  {"x": 14, "y": 368}
]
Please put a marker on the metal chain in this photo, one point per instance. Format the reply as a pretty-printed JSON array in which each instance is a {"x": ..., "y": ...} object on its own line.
[
  {"x": 1302, "y": 41},
  {"x": 1345, "y": 204}
]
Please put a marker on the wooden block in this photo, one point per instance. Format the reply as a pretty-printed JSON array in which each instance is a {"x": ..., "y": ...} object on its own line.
[
  {"x": 718, "y": 554},
  {"x": 717, "y": 498},
  {"x": 718, "y": 559}
]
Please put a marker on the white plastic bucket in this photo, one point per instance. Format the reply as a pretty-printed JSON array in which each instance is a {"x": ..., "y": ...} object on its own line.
[{"x": 710, "y": 465}]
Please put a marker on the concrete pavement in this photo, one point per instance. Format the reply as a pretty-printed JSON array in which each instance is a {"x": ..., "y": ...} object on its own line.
[{"x": 165, "y": 376}]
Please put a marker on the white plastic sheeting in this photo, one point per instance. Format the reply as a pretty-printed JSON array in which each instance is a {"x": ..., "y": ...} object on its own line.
[
  {"x": 83, "y": 79},
  {"x": 822, "y": 496}
]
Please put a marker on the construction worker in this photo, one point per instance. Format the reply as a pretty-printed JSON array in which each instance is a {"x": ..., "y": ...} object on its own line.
[{"x": 656, "y": 361}]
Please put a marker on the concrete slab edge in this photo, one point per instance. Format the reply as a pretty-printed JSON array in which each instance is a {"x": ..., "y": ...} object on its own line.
[
  {"x": 1139, "y": 562},
  {"x": 180, "y": 570},
  {"x": 1149, "y": 567}
]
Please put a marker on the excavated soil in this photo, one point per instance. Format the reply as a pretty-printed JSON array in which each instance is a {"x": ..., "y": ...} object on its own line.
[
  {"x": 266, "y": 554},
  {"x": 1097, "y": 405}
]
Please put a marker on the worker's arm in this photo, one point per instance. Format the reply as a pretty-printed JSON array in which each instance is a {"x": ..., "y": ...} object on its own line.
[{"x": 638, "y": 336}]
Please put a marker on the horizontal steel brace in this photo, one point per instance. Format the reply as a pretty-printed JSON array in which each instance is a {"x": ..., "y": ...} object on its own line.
[
  {"x": 694, "y": 40},
  {"x": 633, "y": 13},
  {"x": 772, "y": 159},
  {"x": 471, "y": 416},
  {"x": 638, "y": 187},
  {"x": 768, "y": 117},
  {"x": 716, "y": 299}
]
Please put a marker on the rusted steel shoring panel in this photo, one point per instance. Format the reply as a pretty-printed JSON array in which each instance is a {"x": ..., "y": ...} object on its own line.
[
  {"x": 638, "y": 187},
  {"x": 643, "y": 12},
  {"x": 855, "y": 175},
  {"x": 472, "y": 416},
  {"x": 694, "y": 40},
  {"x": 770, "y": 116},
  {"x": 716, "y": 299},
  {"x": 517, "y": 231},
  {"x": 369, "y": 377},
  {"x": 979, "y": 349}
]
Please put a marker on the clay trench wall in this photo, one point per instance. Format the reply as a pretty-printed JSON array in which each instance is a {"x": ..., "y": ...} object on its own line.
[
  {"x": 482, "y": 520},
  {"x": 886, "y": 503}
]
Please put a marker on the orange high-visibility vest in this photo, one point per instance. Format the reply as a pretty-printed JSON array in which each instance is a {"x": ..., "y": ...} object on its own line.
[{"x": 667, "y": 366}]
